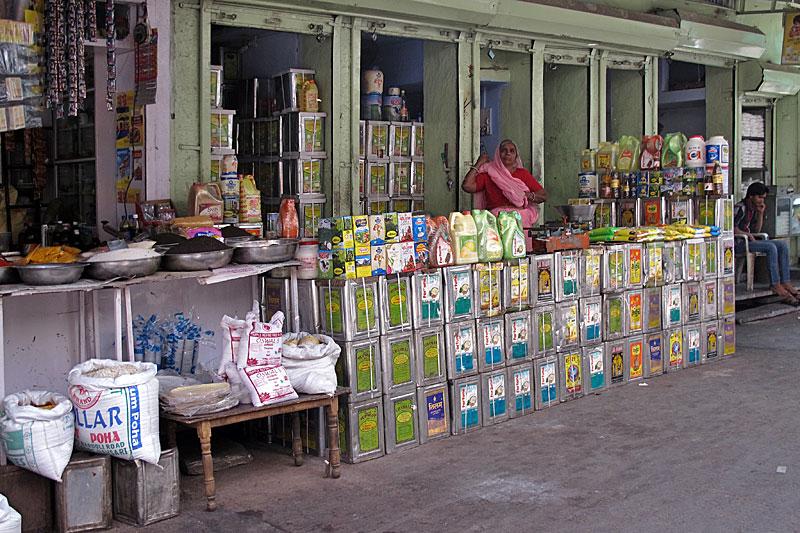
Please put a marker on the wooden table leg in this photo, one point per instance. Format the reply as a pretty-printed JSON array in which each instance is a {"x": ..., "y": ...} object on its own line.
[
  {"x": 297, "y": 442},
  {"x": 334, "y": 457},
  {"x": 204, "y": 434}
]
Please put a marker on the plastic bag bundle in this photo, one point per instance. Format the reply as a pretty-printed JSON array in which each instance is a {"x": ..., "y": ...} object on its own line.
[
  {"x": 310, "y": 362},
  {"x": 171, "y": 343},
  {"x": 198, "y": 399}
]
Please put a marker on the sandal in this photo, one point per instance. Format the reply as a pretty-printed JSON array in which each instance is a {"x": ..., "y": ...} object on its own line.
[
  {"x": 786, "y": 297},
  {"x": 790, "y": 289}
]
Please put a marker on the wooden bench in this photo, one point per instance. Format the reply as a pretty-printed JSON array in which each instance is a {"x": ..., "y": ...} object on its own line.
[{"x": 241, "y": 413}]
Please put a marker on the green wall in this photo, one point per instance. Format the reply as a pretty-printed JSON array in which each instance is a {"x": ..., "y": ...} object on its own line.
[
  {"x": 786, "y": 158},
  {"x": 625, "y": 104}
]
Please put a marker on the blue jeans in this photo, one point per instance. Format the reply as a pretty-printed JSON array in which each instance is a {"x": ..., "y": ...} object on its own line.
[{"x": 777, "y": 258}]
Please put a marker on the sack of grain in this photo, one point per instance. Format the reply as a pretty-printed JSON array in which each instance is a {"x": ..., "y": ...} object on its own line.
[
  {"x": 267, "y": 384},
  {"x": 37, "y": 431},
  {"x": 10, "y": 519},
  {"x": 116, "y": 409},
  {"x": 310, "y": 362},
  {"x": 261, "y": 343}
]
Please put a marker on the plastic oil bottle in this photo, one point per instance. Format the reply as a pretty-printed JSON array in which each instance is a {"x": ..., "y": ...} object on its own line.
[
  {"x": 464, "y": 235},
  {"x": 489, "y": 246}
]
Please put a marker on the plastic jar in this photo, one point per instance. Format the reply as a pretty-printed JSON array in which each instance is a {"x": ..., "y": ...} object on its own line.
[{"x": 306, "y": 253}]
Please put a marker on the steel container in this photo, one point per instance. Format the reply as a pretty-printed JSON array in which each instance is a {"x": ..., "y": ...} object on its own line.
[
  {"x": 592, "y": 271},
  {"x": 630, "y": 212},
  {"x": 542, "y": 279},
  {"x": 494, "y": 401},
  {"x": 303, "y": 134},
  {"x": 571, "y": 378},
  {"x": 711, "y": 341},
  {"x": 313, "y": 431},
  {"x": 519, "y": 335},
  {"x": 635, "y": 352},
  {"x": 466, "y": 401},
  {"x": 398, "y": 363},
  {"x": 195, "y": 261},
  {"x": 361, "y": 430},
  {"x": 711, "y": 261},
  {"x": 490, "y": 337},
  {"x": 359, "y": 367},
  {"x": 726, "y": 255},
  {"x": 263, "y": 251},
  {"x": 673, "y": 339},
  {"x": 418, "y": 139},
  {"x": 653, "y": 264},
  {"x": 30, "y": 494},
  {"x": 427, "y": 302},
  {"x": 614, "y": 314},
  {"x": 276, "y": 295},
  {"x": 460, "y": 340},
  {"x": 544, "y": 322},
  {"x": 673, "y": 262},
  {"x": 605, "y": 215},
  {"x": 128, "y": 268},
  {"x": 634, "y": 269},
  {"x": 653, "y": 354},
  {"x": 726, "y": 295},
  {"x": 460, "y": 300},
  {"x": 488, "y": 283},
  {"x": 287, "y": 87},
  {"x": 591, "y": 325},
  {"x": 724, "y": 215},
  {"x": 83, "y": 498},
  {"x": 634, "y": 312},
  {"x": 709, "y": 306},
  {"x": 672, "y": 306},
  {"x": 430, "y": 350},
  {"x": 594, "y": 368},
  {"x": 400, "y": 139},
  {"x": 400, "y": 177},
  {"x": 616, "y": 363},
  {"x": 50, "y": 273},
  {"x": 8, "y": 274},
  {"x": 516, "y": 285},
  {"x": 394, "y": 295},
  {"x": 691, "y": 302},
  {"x": 377, "y": 139},
  {"x": 377, "y": 180},
  {"x": 692, "y": 344},
  {"x": 433, "y": 404},
  {"x": 693, "y": 259},
  {"x": 653, "y": 211},
  {"x": 652, "y": 308},
  {"x": 679, "y": 210},
  {"x": 145, "y": 493},
  {"x": 728, "y": 326},
  {"x": 567, "y": 325},
  {"x": 567, "y": 269},
  {"x": 401, "y": 427},
  {"x": 349, "y": 308},
  {"x": 546, "y": 374},
  {"x": 519, "y": 384},
  {"x": 308, "y": 305},
  {"x": 614, "y": 268},
  {"x": 301, "y": 175},
  {"x": 418, "y": 175}
]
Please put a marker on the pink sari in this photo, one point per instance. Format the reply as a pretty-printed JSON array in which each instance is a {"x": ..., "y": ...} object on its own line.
[{"x": 513, "y": 189}]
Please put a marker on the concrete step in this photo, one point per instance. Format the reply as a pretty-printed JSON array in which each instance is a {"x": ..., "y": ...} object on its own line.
[{"x": 763, "y": 312}]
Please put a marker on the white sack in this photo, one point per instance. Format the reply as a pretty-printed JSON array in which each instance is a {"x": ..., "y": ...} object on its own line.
[
  {"x": 10, "y": 519},
  {"x": 261, "y": 342},
  {"x": 311, "y": 367},
  {"x": 267, "y": 384}
]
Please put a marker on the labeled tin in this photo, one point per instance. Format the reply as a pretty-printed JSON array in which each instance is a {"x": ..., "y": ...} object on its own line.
[
  {"x": 495, "y": 392},
  {"x": 728, "y": 336},
  {"x": 633, "y": 265},
  {"x": 675, "y": 349},
  {"x": 567, "y": 325},
  {"x": 276, "y": 296},
  {"x": 652, "y": 309},
  {"x": 427, "y": 298},
  {"x": 395, "y": 303},
  {"x": 635, "y": 352},
  {"x": 400, "y": 176},
  {"x": 546, "y": 373},
  {"x": 400, "y": 139},
  {"x": 429, "y": 344},
  {"x": 653, "y": 211},
  {"x": 692, "y": 345},
  {"x": 543, "y": 278},
  {"x": 399, "y": 364},
  {"x": 544, "y": 321},
  {"x": 377, "y": 140},
  {"x": 726, "y": 294},
  {"x": 605, "y": 214},
  {"x": 614, "y": 316},
  {"x": 614, "y": 268},
  {"x": 672, "y": 306},
  {"x": 401, "y": 427},
  {"x": 570, "y": 364},
  {"x": 349, "y": 308},
  {"x": 377, "y": 176},
  {"x": 673, "y": 262},
  {"x": 724, "y": 213},
  {"x": 594, "y": 367},
  {"x": 653, "y": 354},
  {"x": 433, "y": 407},
  {"x": 708, "y": 295},
  {"x": 591, "y": 271},
  {"x": 418, "y": 139},
  {"x": 516, "y": 284},
  {"x": 567, "y": 269},
  {"x": 679, "y": 211},
  {"x": 694, "y": 255},
  {"x": 591, "y": 313},
  {"x": 634, "y": 315},
  {"x": 467, "y": 409},
  {"x": 362, "y": 139},
  {"x": 653, "y": 264},
  {"x": 490, "y": 337},
  {"x": 519, "y": 384},
  {"x": 726, "y": 254},
  {"x": 488, "y": 280},
  {"x": 629, "y": 212},
  {"x": 616, "y": 362},
  {"x": 418, "y": 177},
  {"x": 359, "y": 368},
  {"x": 361, "y": 430},
  {"x": 303, "y": 133},
  {"x": 519, "y": 336},
  {"x": 461, "y": 343},
  {"x": 711, "y": 262},
  {"x": 692, "y": 302},
  {"x": 711, "y": 341},
  {"x": 460, "y": 293}
]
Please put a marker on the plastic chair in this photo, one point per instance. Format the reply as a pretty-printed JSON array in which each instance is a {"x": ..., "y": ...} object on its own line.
[{"x": 749, "y": 258}]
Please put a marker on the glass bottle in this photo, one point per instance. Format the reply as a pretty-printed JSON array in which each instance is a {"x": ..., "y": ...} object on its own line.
[
  {"x": 615, "y": 187},
  {"x": 404, "y": 108}
]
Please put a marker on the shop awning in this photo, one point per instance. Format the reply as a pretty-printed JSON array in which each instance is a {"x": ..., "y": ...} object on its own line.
[
  {"x": 765, "y": 79},
  {"x": 714, "y": 36}
]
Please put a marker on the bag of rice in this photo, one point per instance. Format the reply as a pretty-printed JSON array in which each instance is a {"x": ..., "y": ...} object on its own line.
[
  {"x": 232, "y": 331},
  {"x": 310, "y": 362},
  {"x": 267, "y": 384},
  {"x": 261, "y": 343},
  {"x": 37, "y": 430},
  {"x": 116, "y": 409}
]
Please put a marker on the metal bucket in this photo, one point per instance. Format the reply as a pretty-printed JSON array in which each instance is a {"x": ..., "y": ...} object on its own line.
[
  {"x": 433, "y": 403},
  {"x": 519, "y": 384},
  {"x": 494, "y": 402},
  {"x": 146, "y": 493}
]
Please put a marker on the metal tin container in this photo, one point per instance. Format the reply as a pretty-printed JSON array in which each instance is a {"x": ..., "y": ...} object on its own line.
[
  {"x": 710, "y": 341},
  {"x": 679, "y": 210},
  {"x": 349, "y": 308},
  {"x": 614, "y": 268},
  {"x": 614, "y": 316},
  {"x": 400, "y": 139},
  {"x": 605, "y": 214},
  {"x": 592, "y": 271},
  {"x": 652, "y": 309},
  {"x": 542, "y": 279},
  {"x": 673, "y": 339},
  {"x": 630, "y": 212},
  {"x": 375, "y": 205},
  {"x": 570, "y": 368},
  {"x": 724, "y": 215},
  {"x": 427, "y": 301},
  {"x": 567, "y": 269},
  {"x": 401, "y": 427},
  {"x": 591, "y": 313},
  {"x": 567, "y": 325},
  {"x": 544, "y": 322},
  {"x": 494, "y": 401},
  {"x": 309, "y": 213},
  {"x": 519, "y": 384},
  {"x": 691, "y": 302},
  {"x": 400, "y": 177},
  {"x": 83, "y": 498},
  {"x": 276, "y": 296},
  {"x": 377, "y": 179},
  {"x": 288, "y": 85},
  {"x": 433, "y": 404},
  {"x": 726, "y": 254},
  {"x": 302, "y": 175},
  {"x": 692, "y": 345},
  {"x": 461, "y": 342},
  {"x": 726, "y": 294},
  {"x": 377, "y": 140},
  {"x": 653, "y": 354},
  {"x": 516, "y": 284},
  {"x": 635, "y": 352},
  {"x": 693, "y": 258},
  {"x": 418, "y": 139},
  {"x": 708, "y": 296},
  {"x": 673, "y": 262},
  {"x": 429, "y": 345},
  {"x": 634, "y": 312},
  {"x": 490, "y": 337},
  {"x": 653, "y": 264},
  {"x": 394, "y": 295},
  {"x": 30, "y": 494},
  {"x": 616, "y": 362},
  {"x": 466, "y": 401},
  {"x": 546, "y": 374},
  {"x": 307, "y": 305},
  {"x": 418, "y": 176},
  {"x": 728, "y": 326},
  {"x": 460, "y": 297},
  {"x": 672, "y": 306},
  {"x": 488, "y": 283},
  {"x": 594, "y": 367},
  {"x": 216, "y": 85},
  {"x": 398, "y": 363},
  {"x": 313, "y": 431},
  {"x": 222, "y": 129},
  {"x": 361, "y": 430},
  {"x": 519, "y": 336},
  {"x": 653, "y": 211},
  {"x": 711, "y": 262},
  {"x": 634, "y": 265},
  {"x": 145, "y": 493},
  {"x": 362, "y": 139},
  {"x": 359, "y": 368}
]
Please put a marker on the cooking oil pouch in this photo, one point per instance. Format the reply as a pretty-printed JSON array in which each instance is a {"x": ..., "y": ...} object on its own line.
[
  {"x": 511, "y": 234},
  {"x": 489, "y": 246},
  {"x": 628, "y": 158},
  {"x": 672, "y": 153}
]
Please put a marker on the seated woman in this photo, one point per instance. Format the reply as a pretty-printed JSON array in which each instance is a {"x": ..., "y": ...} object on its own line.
[
  {"x": 748, "y": 217},
  {"x": 503, "y": 184}
]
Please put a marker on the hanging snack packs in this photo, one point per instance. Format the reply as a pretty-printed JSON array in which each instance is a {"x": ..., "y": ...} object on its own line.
[
  {"x": 511, "y": 234},
  {"x": 267, "y": 384},
  {"x": 261, "y": 343},
  {"x": 440, "y": 249},
  {"x": 628, "y": 160},
  {"x": 672, "y": 152},
  {"x": 651, "y": 153},
  {"x": 489, "y": 246}
]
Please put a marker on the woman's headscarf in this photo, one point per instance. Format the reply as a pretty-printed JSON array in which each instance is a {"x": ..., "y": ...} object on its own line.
[{"x": 513, "y": 189}]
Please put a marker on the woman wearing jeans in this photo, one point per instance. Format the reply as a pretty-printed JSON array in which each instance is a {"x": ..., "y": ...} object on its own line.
[{"x": 747, "y": 219}]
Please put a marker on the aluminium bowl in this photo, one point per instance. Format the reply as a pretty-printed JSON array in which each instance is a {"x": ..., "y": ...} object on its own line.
[
  {"x": 50, "y": 273},
  {"x": 197, "y": 260},
  {"x": 125, "y": 268},
  {"x": 8, "y": 275},
  {"x": 261, "y": 251}
]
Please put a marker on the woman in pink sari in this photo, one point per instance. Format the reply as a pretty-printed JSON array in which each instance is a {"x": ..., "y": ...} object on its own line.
[{"x": 503, "y": 185}]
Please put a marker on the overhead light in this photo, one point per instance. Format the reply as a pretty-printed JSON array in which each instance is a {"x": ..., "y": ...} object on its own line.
[{"x": 592, "y": 44}]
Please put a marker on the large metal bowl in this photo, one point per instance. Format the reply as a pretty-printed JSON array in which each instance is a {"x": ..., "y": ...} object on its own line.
[
  {"x": 8, "y": 275},
  {"x": 126, "y": 268},
  {"x": 576, "y": 213},
  {"x": 270, "y": 251},
  {"x": 51, "y": 273},
  {"x": 197, "y": 260}
]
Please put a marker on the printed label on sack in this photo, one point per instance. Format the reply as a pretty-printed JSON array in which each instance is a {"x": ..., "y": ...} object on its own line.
[{"x": 115, "y": 430}]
